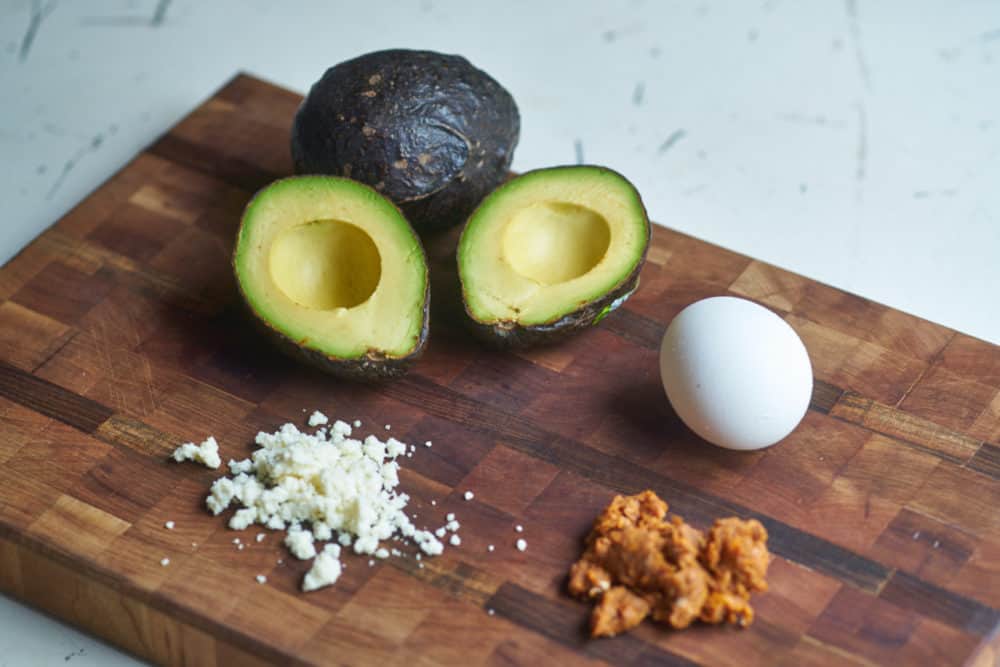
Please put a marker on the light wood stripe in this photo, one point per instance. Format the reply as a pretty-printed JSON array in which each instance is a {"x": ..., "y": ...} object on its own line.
[{"x": 925, "y": 434}]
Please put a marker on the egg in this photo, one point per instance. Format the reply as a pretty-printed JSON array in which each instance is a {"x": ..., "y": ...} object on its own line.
[{"x": 736, "y": 373}]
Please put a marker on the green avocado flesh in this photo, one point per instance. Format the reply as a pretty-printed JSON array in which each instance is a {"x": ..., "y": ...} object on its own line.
[
  {"x": 553, "y": 248},
  {"x": 333, "y": 269}
]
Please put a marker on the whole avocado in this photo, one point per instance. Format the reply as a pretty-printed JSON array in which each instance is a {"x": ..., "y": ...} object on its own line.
[{"x": 428, "y": 130}]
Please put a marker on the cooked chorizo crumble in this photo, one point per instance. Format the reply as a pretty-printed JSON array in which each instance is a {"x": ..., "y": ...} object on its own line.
[{"x": 637, "y": 563}]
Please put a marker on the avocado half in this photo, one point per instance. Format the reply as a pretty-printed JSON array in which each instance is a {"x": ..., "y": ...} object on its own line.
[
  {"x": 551, "y": 252},
  {"x": 334, "y": 272},
  {"x": 428, "y": 130}
]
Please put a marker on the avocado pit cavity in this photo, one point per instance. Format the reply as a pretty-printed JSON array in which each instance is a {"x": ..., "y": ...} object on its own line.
[
  {"x": 325, "y": 264},
  {"x": 552, "y": 242}
]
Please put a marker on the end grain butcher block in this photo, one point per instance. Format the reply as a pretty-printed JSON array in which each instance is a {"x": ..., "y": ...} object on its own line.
[{"x": 121, "y": 337}]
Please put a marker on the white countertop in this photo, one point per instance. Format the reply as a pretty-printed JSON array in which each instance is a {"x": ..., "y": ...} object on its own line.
[{"x": 857, "y": 143}]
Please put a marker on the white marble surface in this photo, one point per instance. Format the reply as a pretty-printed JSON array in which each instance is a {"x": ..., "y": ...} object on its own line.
[{"x": 855, "y": 142}]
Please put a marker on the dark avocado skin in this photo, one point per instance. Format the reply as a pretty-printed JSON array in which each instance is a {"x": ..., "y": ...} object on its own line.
[{"x": 428, "y": 130}]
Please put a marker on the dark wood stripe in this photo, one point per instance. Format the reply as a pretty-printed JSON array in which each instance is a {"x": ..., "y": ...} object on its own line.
[
  {"x": 987, "y": 460},
  {"x": 83, "y": 414},
  {"x": 624, "y": 477},
  {"x": 449, "y": 404},
  {"x": 565, "y": 622},
  {"x": 635, "y": 328},
  {"x": 821, "y": 555},
  {"x": 456, "y": 578},
  {"x": 905, "y": 590},
  {"x": 206, "y": 160},
  {"x": 824, "y": 396},
  {"x": 51, "y": 400}
]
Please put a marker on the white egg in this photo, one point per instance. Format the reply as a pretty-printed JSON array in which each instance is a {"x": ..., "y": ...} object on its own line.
[{"x": 737, "y": 374}]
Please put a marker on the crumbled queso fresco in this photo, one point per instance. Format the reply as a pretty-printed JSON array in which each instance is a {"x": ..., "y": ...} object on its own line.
[
  {"x": 207, "y": 453},
  {"x": 319, "y": 487}
]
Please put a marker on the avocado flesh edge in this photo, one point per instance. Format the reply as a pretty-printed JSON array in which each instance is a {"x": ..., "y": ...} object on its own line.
[
  {"x": 576, "y": 303},
  {"x": 342, "y": 340},
  {"x": 513, "y": 334}
]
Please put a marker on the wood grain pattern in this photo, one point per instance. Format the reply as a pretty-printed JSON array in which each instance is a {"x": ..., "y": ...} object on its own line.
[{"x": 121, "y": 336}]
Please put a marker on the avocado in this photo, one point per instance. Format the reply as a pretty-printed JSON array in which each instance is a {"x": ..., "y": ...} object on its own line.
[
  {"x": 551, "y": 252},
  {"x": 428, "y": 130},
  {"x": 334, "y": 273}
]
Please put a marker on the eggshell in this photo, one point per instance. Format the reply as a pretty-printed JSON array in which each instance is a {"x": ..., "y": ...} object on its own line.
[{"x": 737, "y": 374}]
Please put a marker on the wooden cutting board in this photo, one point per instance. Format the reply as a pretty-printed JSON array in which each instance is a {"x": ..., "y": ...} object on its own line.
[{"x": 121, "y": 337}]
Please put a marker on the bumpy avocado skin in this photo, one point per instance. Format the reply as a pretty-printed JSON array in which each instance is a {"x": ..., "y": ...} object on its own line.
[
  {"x": 430, "y": 131},
  {"x": 513, "y": 334},
  {"x": 374, "y": 366}
]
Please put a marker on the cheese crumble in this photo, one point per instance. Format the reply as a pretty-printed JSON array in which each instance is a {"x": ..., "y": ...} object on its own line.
[
  {"x": 317, "y": 418},
  {"x": 207, "y": 453},
  {"x": 320, "y": 487},
  {"x": 325, "y": 570}
]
